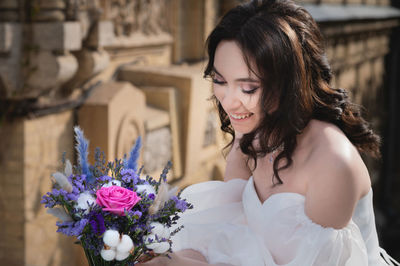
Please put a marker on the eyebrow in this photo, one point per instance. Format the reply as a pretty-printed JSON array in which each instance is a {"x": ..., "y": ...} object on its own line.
[{"x": 248, "y": 79}]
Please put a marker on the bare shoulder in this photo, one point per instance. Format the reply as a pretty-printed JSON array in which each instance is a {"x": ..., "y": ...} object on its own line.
[{"x": 338, "y": 177}]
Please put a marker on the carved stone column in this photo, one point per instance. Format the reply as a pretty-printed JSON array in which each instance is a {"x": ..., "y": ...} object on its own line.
[{"x": 112, "y": 118}]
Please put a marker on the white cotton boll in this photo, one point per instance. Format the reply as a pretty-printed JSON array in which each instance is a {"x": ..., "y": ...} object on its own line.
[
  {"x": 159, "y": 248},
  {"x": 108, "y": 254},
  {"x": 121, "y": 255},
  {"x": 112, "y": 183},
  {"x": 125, "y": 245},
  {"x": 62, "y": 180},
  {"x": 146, "y": 188},
  {"x": 111, "y": 238},
  {"x": 158, "y": 229},
  {"x": 68, "y": 169},
  {"x": 167, "y": 233},
  {"x": 149, "y": 238},
  {"x": 84, "y": 200}
]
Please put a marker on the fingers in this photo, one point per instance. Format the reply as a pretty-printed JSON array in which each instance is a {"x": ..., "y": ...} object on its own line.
[{"x": 159, "y": 261}]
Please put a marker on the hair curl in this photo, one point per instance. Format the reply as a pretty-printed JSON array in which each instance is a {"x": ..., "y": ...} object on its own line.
[{"x": 287, "y": 48}]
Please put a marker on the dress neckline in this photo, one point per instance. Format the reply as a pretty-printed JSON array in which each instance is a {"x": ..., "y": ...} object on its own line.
[
  {"x": 294, "y": 194},
  {"x": 272, "y": 196}
]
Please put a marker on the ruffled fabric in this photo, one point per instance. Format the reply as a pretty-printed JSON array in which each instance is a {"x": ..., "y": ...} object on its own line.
[{"x": 230, "y": 225}]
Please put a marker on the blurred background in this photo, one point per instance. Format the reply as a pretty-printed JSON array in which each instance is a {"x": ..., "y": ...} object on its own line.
[{"x": 124, "y": 68}]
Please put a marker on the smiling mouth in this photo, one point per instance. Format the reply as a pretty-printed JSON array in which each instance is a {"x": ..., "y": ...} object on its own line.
[{"x": 240, "y": 117}]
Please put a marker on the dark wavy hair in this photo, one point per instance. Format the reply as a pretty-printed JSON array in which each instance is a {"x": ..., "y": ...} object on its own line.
[{"x": 286, "y": 45}]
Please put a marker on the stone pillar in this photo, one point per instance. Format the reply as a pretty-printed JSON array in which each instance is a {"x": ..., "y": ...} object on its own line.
[
  {"x": 30, "y": 151},
  {"x": 192, "y": 21},
  {"x": 112, "y": 118}
]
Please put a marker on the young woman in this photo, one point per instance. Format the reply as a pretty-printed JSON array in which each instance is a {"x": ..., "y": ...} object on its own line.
[{"x": 296, "y": 190}]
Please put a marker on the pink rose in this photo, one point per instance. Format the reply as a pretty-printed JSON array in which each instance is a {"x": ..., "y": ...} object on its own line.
[{"x": 116, "y": 199}]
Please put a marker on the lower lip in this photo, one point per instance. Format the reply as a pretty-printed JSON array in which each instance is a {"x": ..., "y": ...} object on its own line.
[{"x": 240, "y": 120}]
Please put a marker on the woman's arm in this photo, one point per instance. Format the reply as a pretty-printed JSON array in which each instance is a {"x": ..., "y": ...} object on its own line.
[
  {"x": 236, "y": 165},
  {"x": 338, "y": 178}
]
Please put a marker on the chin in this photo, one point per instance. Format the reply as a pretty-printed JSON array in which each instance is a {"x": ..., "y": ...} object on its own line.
[{"x": 243, "y": 130}]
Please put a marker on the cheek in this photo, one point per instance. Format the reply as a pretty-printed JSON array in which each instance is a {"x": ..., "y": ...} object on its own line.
[
  {"x": 252, "y": 103},
  {"x": 219, "y": 93}
]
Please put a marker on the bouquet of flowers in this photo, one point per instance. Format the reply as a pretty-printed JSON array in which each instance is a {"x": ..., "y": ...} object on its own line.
[{"x": 118, "y": 217}]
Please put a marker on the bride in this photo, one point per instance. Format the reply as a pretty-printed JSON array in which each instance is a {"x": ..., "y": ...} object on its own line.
[{"x": 296, "y": 190}]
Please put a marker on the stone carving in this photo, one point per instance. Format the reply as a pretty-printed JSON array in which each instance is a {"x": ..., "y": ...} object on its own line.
[
  {"x": 47, "y": 10},
  {"x": 144, "y": 16},
  {"x": 113, "y": 100},
  {"x": 128, "y": 132},
  {"x": 157, "y": 149},
  {"x": 51, "y": 71}
]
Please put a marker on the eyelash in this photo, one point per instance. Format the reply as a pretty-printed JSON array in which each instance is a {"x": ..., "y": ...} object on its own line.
[{"x": 218, "y": 82}]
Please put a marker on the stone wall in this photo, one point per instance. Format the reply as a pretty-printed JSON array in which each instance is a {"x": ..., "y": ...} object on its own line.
[{"x": 28, "y": 233}]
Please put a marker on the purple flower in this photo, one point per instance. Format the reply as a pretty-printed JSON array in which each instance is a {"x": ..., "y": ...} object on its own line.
[
  {"x": 57, "y": 196},
  {"x": 77, "y": 182},
  {"x": 179, "y": 204},
  {"x": 96, "y": 221},
  {"x": 48, "y": 201},
  {"x": 72, "y": 228},
  {"x": 129, "y": 175},
  {"x": 135, "y": 213},
  {"x": 104, "y": 178}
]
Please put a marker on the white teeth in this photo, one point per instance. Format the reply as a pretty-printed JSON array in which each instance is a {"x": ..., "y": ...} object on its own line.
[{"x": 240, "y": 116}]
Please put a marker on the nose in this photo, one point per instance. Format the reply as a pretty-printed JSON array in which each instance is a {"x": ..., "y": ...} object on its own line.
[{"x": 230, "y": 100}]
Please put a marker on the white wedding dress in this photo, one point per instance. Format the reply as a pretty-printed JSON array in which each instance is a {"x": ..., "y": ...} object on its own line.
[{"x": 229, "y": 225}]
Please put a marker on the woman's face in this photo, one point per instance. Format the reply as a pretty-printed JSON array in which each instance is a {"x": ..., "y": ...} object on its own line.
[{"x": 236, "y": 87}]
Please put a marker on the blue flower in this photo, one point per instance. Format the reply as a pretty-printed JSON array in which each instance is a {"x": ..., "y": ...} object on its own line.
[
  {"x": 131, "y": 163},
  {"x": 82, "y": 145}
]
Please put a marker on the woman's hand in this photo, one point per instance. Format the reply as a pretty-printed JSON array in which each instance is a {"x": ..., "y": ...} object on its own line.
[
  {"x": 186, "y": 257},
  {"x": 158, "y": 261}
]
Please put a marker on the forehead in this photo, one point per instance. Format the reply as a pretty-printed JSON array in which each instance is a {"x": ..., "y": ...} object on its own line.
[{"x": 230, "y": 62}]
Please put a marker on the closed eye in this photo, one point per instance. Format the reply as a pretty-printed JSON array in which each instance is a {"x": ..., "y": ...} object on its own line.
[
  {"x": 251, "y": 91},
  {"x": 219, "y": 82},
  {"x": 249, "y": 88}
]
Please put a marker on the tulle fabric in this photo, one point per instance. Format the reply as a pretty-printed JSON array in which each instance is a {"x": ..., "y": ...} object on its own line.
[{"x": 230, "y": 225}]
